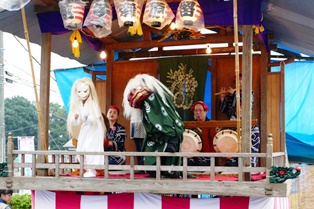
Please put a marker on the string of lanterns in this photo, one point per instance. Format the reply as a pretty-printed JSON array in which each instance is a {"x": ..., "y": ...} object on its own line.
[{"x": 157, "y": 14}]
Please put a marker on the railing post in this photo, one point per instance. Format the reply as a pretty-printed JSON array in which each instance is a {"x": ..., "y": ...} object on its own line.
[
  {"x": 269, "y": 156},
  {"x": 132, "y": 167},
  {"x": 10, "y": 158}
]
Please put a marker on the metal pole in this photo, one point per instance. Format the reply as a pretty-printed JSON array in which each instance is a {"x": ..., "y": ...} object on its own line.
[{"x": 2, "y": 134}]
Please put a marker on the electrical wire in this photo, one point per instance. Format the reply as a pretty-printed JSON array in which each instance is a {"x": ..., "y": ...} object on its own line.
[
  {"x": 27, "y": 82},
  {"x": 54, "y": 141}
]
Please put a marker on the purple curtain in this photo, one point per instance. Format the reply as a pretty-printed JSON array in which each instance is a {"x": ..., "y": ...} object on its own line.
[{"x": 216, "y": 12}]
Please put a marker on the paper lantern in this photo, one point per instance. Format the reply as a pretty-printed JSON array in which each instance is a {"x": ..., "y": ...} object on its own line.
[
  {"x": 157, "y": 14},
  {"x": 99, "y": 18},
  {"x": 190, "y": 15},
  {"x": 128, "y": 11},
  {"x": 72, "y": 13}
]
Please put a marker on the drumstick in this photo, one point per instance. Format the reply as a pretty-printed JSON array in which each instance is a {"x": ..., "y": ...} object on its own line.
[{"x": 222, "y": 92}]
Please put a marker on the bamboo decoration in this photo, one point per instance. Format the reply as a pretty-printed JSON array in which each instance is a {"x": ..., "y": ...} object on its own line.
[
  {"x": 236, "y": 46},
  {"x": 45, "y": 146}
]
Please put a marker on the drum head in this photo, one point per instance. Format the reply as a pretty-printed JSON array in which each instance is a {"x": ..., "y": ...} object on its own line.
[
  {"x": 192, "y": 142},
  {"x": 226, "y": 141}
]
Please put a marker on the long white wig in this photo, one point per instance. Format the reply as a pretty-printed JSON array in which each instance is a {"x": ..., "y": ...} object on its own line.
[
  {"x": 141, "y": 81},
  {"x": 75, "y": 103}
]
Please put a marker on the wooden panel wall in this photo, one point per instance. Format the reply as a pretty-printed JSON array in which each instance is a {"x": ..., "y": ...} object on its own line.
[
  {"x": 122, "y": 72},
  {"x": 273, "y": 109},
  {"x": 223, "y": 72},
  {"x": 101, "y": 93}
]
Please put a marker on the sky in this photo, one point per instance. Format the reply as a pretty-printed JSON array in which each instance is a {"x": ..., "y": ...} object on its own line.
[{"x": 16, "y": 61}]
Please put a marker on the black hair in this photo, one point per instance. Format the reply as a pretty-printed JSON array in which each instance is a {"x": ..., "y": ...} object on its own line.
[
  {"x": 234, "y": 77},
  {"x": 4, "y": 192}
]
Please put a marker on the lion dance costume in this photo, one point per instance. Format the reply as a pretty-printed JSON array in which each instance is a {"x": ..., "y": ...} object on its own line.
[{"x": 147, "y": 98}]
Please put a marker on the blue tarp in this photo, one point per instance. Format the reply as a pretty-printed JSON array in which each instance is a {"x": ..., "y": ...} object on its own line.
[
  {"x": 66, "y": 77},
  {"x": 300, "y": 147},
  {"x": 299, "y": 98}
]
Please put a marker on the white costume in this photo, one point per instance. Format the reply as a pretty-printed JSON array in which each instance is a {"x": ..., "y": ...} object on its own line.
[{"x": 85, "y": 109}]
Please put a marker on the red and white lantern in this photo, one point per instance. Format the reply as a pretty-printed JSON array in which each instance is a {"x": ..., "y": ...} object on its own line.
[
  {"x": 72, "y": 13},
  {"x": 128, "y": 11},
  {"x": 99, "y": 18},
  {"x": 190, "y": 15},
  {"x": 157, "y": 14}
]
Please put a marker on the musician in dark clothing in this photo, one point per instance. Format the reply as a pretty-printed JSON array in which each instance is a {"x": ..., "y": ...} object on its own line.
[{"x": 228, "y": 105}]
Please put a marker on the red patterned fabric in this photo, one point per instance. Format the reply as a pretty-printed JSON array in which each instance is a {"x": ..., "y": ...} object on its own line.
[{"x": 137, "y": 97}]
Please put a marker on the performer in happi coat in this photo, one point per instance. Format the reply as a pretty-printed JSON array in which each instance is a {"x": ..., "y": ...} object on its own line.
[{"x": 116, "y": 136}]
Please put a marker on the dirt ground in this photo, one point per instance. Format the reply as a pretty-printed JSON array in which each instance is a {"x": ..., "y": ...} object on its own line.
[{"x": 302, "y": 192}]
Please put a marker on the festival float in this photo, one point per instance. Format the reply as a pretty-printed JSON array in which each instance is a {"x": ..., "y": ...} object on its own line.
[{"x": 57, "y": 178}]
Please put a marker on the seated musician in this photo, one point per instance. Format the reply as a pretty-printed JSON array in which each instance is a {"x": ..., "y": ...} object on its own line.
[
  {"x": 200, "y": 110},
  {"x": 228, "y": 106}
]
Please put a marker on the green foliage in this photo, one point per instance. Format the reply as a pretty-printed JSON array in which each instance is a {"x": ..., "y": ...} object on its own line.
[
  {"x": 23, "y": 201},
  {"x": 21, "y": 119},
  {"x": 58, "y": 135}
]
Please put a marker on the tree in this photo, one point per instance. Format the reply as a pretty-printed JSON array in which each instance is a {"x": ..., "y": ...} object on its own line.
[
  {"x": 21, "y": 119},
  {"x": 58, "y": 135}
]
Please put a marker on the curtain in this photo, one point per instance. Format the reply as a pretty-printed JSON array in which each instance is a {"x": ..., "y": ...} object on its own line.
[{"x": 186, "y": 78}]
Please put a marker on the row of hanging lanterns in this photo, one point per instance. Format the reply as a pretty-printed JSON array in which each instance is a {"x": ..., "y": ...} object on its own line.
[{"x": 157, "y": 14}]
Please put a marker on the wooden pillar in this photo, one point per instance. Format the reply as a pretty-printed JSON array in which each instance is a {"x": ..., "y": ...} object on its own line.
[
  {"x": 283, "y": 145},
  {"x": 109, "y": 90},
  {"x": 43, "y": 142},
  {"x": 264, "y": 100},
  {"x": 269, "y": 156},
  {"x": 246, "y": 110},
  {"x": 10, "y": 158},
  {"x": 247, "y": 39}
]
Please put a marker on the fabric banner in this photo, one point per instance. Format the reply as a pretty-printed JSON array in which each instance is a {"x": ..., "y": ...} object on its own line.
[
  {"x": 26, "y": 143},
  {"x": 186, "y": 78},
  {"x": 73, "y": 200}
]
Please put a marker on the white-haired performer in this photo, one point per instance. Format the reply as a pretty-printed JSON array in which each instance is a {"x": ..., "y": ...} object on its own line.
[
  {"x": 146, "y": 97},
  {"x": 85, "y": 110}
]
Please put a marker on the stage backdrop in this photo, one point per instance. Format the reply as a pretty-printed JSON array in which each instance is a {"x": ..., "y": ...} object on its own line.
[
  {"x": 189, "y": 80},
  {"x": 72, "y": 200}
]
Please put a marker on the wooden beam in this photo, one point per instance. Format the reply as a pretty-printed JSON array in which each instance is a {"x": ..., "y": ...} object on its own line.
[
  {"x": 159, "y": 53},
  {"x": 213, "y": 38},
  {"x": 164, "y": 186},
  {"x": 214, "y": 123},
  {"x": 276, "y": 64}
]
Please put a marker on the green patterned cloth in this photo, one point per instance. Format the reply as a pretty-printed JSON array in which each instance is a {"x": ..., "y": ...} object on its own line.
[{"x": 162, "y": 124}]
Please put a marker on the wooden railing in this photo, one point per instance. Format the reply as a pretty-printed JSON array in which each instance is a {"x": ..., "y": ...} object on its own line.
[{"x": 61, "y": 162}]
